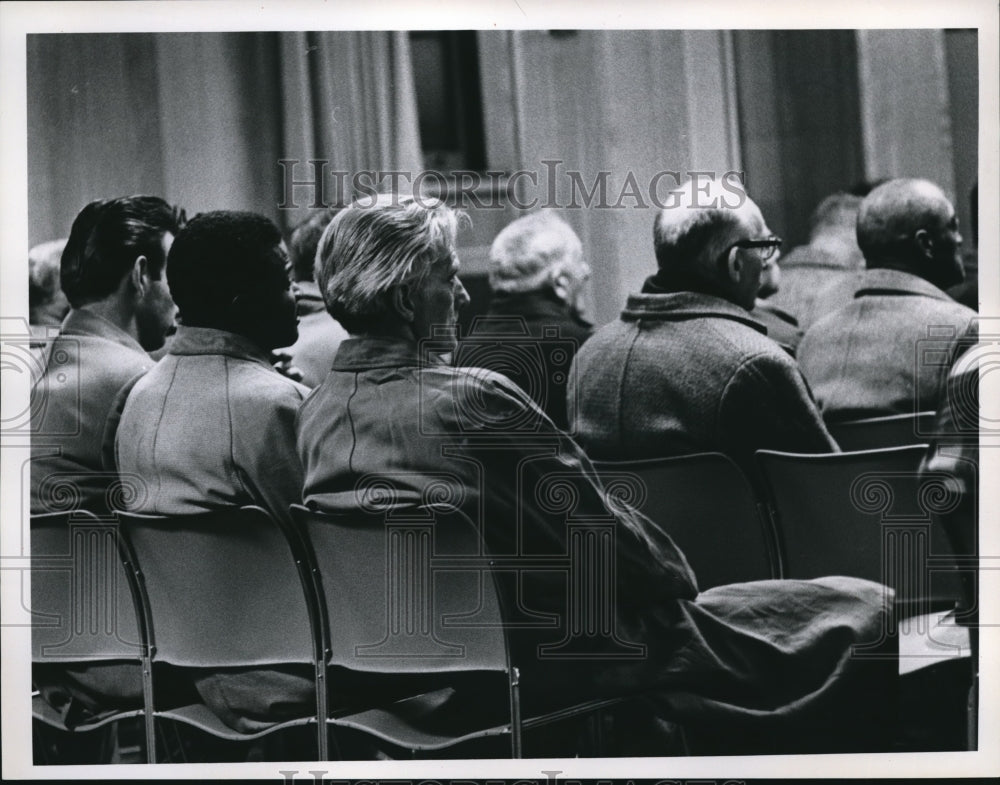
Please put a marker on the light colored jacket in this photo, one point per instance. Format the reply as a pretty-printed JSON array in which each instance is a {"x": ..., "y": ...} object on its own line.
[
  {"x": 72, "y": 403},
  {"x": 211, "y": 426},
  {"x": 887, "y": 351}
]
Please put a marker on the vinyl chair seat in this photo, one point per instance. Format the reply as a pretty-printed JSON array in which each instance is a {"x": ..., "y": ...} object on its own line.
[
  {"x": 415, "y": 595},
  {"x": 199, "y": 716},
  {"x": 873, "y": 433},
  {"x": 84, "y": 611},
  {"x": 43, "y": 712},
  {"x": 867, "y": 514},
  {"x": 708, "y": 507},
  {"x": 384, "y": 612},
  {"x": 223, "y": 590}
]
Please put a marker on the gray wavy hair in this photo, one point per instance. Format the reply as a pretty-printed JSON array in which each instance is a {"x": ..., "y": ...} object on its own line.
[{"x": 373, "y": 246}]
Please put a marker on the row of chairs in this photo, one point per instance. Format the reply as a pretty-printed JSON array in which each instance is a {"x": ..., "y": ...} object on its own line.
[
  {"x": 236, "y": 589},
  {"x": 869, "y": 514}
]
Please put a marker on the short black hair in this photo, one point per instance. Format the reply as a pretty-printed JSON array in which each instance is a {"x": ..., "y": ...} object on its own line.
[
  {"x": 107, "y": 237},
  {"x": 304, "y": 241},
  {"x": 218, "y": 256}
]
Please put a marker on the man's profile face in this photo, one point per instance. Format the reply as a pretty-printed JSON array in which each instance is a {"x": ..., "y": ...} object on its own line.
[
  {"x": 947, "y": 255},
  {"x": 274, "y": 302},
  {"x": 747, "y": 282},
  {"x": 437, "y": 300},
  {"x": 156, "y": 313}
]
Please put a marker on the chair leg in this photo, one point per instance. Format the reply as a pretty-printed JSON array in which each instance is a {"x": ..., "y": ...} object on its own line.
[{"x": 515, "y": 713}]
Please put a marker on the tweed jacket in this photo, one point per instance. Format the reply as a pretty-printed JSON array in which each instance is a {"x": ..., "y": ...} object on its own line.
[
  {"x": 531, "y": 338},
  {"x": 89, "y": 362},
  {"x": 684, "y": 373},
  {"x": 782, "y": 327},
  {"x": 814, "y": 281},
  {"x": 886, "y": 351},
  {"x": 210, "y": 426},
  {"x": 319, "y": 335},
  {"x": 389, "y": 428}
]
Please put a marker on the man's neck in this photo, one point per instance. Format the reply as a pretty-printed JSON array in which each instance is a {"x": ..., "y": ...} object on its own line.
[{"x": 111, "y": 310}]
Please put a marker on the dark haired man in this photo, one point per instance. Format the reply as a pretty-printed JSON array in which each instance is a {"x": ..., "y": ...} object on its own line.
[
  {"x": 112, "y": 274},
  {"x": 212, "y": 424},
  {"x": 863, "y": 360}
]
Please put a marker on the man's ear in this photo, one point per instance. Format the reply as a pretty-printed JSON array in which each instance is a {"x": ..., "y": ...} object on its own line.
[
  {"x": 924, "y": 241},
  {"x": 734, "y": 265},
  {"x": 562, "y": 285},
  {"x": 140, "y": 275},
  {"x": 403, "y": 303}
]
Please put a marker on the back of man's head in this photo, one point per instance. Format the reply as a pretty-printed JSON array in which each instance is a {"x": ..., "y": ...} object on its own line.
[
  {"x": 225, "y": 264},
  {"x": 836, "y": 214},
  {"x": 689, "y": 236},
  {"x": 910, "y": 225},
  {"x": 47, "y": 305},
  {"x": 696, "y": 243},
  {"x": 106, "y": 239},
  {"x": 529, "y": 254},
  {"x": 304, "y": 240}
]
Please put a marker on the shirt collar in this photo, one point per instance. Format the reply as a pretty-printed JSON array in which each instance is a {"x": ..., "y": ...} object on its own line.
[
  {"x": 896, "y": 282},
  {"x": 369, "y": 352},
  {"x": 208, "y": 340},
  {"x": 686, "y": 305},
  {"x": 534, "y": 303},
  {"x": 81, "y": 321}
]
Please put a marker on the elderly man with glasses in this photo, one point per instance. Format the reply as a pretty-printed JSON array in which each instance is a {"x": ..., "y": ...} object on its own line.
[{"x": 686, "y": 368}]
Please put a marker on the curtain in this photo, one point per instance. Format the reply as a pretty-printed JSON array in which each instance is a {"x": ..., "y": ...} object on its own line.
[{"x": 348, "y": 99}]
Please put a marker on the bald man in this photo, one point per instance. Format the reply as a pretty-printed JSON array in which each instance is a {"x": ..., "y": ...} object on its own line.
[
  {"x": 865, "y": 358},
  {"x": 686, "y": 368}
]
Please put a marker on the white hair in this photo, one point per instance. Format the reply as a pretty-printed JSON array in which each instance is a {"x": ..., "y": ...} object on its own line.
[
  {"x": 530, "y": 252},
  {"x": 370, "y": 248}
]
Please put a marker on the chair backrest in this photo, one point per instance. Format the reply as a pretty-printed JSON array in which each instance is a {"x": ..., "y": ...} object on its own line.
[
  {"x": 82, "y": 607},
  {"x": 866, "y": 514},
  {"x": 407, "y": 592},
  {"x": 707, "y": 505},
  {"x": 222, "y": 589},
  {"x": 873, "y": 433}
]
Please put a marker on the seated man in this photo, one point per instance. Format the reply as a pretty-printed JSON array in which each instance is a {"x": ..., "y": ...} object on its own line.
[
  {"x": 534, "y": 326},
  {"x": 762, "y": 667},
  {"x": 211, "y": 426},
  {"x": 686, "y": 368},
  {"x": 818, "y": 278},
  {"x": 319, "y": 335},
  {"x": 112, "y": 273},
  {"x": 47, "y": 304},
  {"x": 864, "y": 359}
]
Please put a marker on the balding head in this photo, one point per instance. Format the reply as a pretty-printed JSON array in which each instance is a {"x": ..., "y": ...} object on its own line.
[
  {"x": 694, "y": 244},
  {"x": 538, "y": 253},
  {"x": 910, "y": 225}
]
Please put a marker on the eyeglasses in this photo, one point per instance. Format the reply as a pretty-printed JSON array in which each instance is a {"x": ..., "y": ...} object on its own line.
[{"x": 764, "y": 248}]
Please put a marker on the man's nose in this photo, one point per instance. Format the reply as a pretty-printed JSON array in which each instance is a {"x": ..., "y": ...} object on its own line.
[{"x": 462, "y": 298}]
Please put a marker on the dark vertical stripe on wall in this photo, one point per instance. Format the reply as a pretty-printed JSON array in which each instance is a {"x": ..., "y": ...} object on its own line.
[
  {"x": 799, "y": 119},
  {"x": 962, "y": 52}
]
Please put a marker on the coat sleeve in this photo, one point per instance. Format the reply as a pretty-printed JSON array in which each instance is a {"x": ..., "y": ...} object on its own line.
[
  {"x": 645, "y": 553},
  {"x": 767, "y": 405}
]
